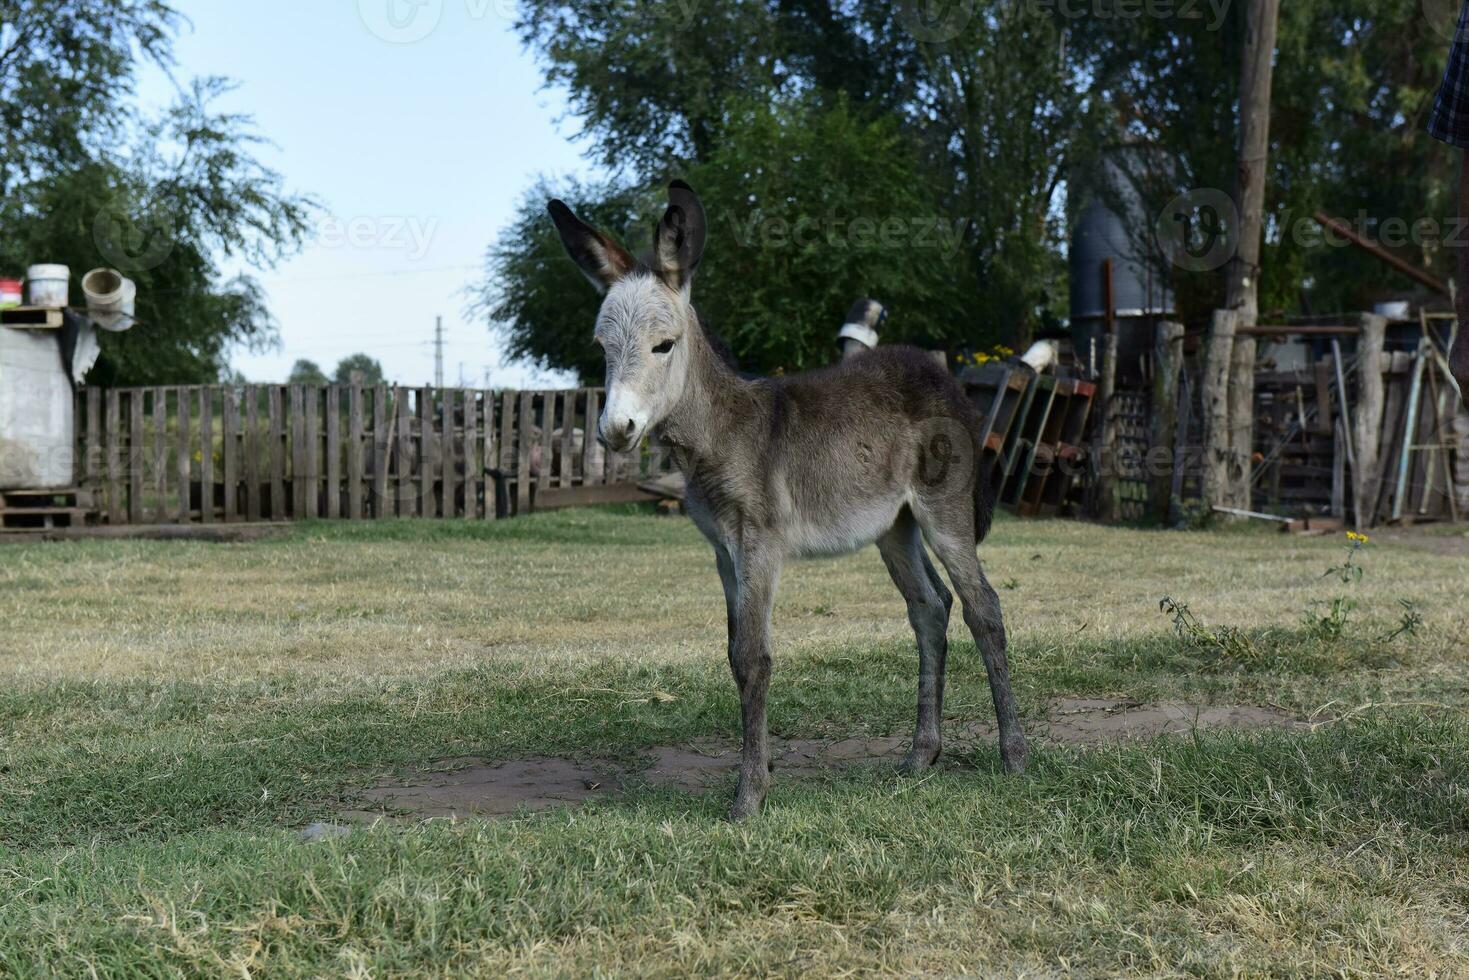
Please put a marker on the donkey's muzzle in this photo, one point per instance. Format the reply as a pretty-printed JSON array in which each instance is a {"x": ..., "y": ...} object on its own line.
[{"x": 618, "y": 436}]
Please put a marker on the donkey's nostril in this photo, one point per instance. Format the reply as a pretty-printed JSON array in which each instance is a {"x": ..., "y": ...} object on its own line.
[{"x": 631, "y": 425}]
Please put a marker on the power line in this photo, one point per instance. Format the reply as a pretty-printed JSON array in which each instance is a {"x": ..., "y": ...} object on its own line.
[{"x": 438, "y": 352}]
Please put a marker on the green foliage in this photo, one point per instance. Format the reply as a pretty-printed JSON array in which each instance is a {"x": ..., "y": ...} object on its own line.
[
  {"x": 1229, "y": 642},
  {"x": 365, "y": 364},
  {"x": 812, "y": 207},
  {"x": 305, "y": 372},
  {"x": 535, "y": 296},
  {"x": 1353, "y": 84},
  {"x": 794, "y": 112},
  {"x": 88, "y": 181}
]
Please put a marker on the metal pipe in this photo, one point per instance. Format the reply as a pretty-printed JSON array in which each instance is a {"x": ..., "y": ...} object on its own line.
[
  {"x": 1378, "y": 252},
  {"x": 1410, "y": 429}
]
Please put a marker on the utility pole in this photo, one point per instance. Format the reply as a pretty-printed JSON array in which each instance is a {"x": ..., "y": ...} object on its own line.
[
  {"x": 439, "y": 352},
  {"x": 1242, "y": 280}
]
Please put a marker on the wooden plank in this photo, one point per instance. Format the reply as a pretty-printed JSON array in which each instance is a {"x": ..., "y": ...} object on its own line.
[
  {"x": 427, "y": 451},
  {"x": 488, "y": 461},
  {"x": 94, "y": 456},
  {"x": 447, "y": 481},
  {"x": 137, "y": 454},
  {"x": 230, "y": 448},
  {"x": 160, "y": 454},
  {"x": 311, "y": 433},
  {"x": 548, "y": 447},
  {"x": 250, "y": 449},
  {"x": 206, "y": 454},
  {"x": 116, "y": 512},
  {"x": 297, "y": 402},
  {"x": 506, "y": 458},
  {"x": 590, "y": 471},
  {"x": 354, "y": 453},
  {"x": 277, "y": 438},
  {"x": 568, "y": 428},
  {"x": 504, "y": 462},
  {"x": 381, "y": 505},
  {"x": 474, "y": 476},
  {"x": 407, "y": 503},
  {"x": 1366, "y": 440},
  {"x": 185, "y": 455},
  {"x": 334, "y": 451},
  {"x": 612, "y": 493},
  {"x": 523, "y": 436}
]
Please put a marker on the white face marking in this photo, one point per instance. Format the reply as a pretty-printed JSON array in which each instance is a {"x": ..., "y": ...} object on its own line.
[{"x": 645, "y": 377}]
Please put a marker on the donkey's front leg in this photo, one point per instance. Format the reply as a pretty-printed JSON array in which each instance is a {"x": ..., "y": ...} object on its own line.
[{"x": 757, "y": 573}]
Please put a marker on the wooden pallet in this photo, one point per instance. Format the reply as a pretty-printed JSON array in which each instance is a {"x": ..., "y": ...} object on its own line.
[
  {"x": 24, "y": 511},
  {"x": 999, "y": 391},
  {"x": 32, "y": 317}
]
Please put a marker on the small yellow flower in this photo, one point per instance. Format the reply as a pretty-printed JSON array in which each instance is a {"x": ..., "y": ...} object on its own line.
[{"x": 1357, "y": 538}]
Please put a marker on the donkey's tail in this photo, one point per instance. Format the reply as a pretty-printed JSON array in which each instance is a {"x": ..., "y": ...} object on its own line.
[{"x": 984, "y": 498}]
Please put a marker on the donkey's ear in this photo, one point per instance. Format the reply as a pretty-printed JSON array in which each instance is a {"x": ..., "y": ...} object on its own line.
[
  {"x": 678, "y": 241},
  {"x": 601, "y": 259}
]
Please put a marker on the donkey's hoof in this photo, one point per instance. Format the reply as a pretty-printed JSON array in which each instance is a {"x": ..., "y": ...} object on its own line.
[
  {"x": 1014, "y": 754},
  {"x": 919, "y": 759}
]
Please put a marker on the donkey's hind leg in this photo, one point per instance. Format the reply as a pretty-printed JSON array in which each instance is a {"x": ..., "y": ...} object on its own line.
[
  {"x": 955, "y": 549},
  {"x": 928, "y": 602}
]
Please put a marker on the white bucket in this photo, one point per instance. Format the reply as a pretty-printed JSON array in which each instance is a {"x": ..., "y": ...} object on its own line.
[
  {"x": 48, "y": 285},
  {"x": 1396, "y": 310},
  {"x": 111, "y": 298}
]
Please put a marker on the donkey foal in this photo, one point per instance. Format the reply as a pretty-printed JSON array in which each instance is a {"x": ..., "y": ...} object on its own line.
[{"x": 883, "y": 448}]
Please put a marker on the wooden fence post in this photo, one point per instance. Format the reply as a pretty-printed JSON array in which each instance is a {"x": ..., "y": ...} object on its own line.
[
  {"x": 523, "y": 434},
  {"x": 446, "y": 453},
  {"x": 1368, "y": 418},
  {"x": 230, "y": 450},
  {"x": 590, "y": 470},
  {"x": 251, "y": 448},
  {"x": 381, "y": 506},
  {"x": 137, "y": 450},
  {"x": 407, "y": 504},
  {"x": 116, "y": 511},
  {"x": 206, "y": 454},
  {"x": 184, "y": 458},
  {"x": 427, "y": 451},
  {"x": 334, "y": 451},
  {"x": 1163, "y": 439},
  {"x": 277, "y": 454},
  {"x": 1218, "y": 452},
  {"x": 160, "y": 454},
  {"x": 473, "y": 473},
  {"x": 354, "y": 449},
  {"x": 1242, "y": 414}
]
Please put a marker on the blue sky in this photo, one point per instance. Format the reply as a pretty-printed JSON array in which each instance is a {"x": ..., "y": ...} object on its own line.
[{"x": 418, "y": 124}]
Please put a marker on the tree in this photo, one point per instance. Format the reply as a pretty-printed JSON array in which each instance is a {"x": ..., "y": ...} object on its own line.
[
  {"x": 369, "y": 367},
  {"x": 305, "y": 372},
  {"x": 1354, "y": 80},
  {"x": 87, "y": 180},
  {"x": 536, "y": 298},
  {"x": 790, "y": 246}
]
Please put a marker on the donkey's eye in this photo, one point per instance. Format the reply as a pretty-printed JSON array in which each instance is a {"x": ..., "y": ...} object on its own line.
[{"x": 664, "y": 347}]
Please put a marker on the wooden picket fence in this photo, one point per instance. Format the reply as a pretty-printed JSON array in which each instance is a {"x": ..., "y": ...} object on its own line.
[{"x": 223, "y": 453}]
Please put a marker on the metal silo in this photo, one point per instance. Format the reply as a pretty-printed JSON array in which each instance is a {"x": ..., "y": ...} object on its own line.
[{"x": 1111, "y": 222}]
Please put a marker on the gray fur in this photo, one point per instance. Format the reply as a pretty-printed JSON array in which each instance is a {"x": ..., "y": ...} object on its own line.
[{"x": 880, "y": 449}]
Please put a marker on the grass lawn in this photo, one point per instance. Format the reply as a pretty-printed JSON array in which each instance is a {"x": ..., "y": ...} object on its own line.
[{"x": 171, "y": 714}]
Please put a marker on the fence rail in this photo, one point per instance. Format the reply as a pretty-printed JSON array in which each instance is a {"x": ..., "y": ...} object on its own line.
[{"x": 225, "y": 453}]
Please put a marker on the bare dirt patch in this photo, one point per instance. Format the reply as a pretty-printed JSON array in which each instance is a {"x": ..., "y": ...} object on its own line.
[{"x": 472, "y": 787}]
